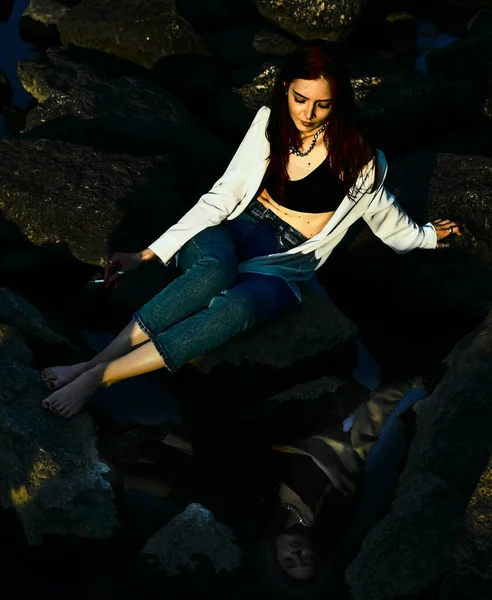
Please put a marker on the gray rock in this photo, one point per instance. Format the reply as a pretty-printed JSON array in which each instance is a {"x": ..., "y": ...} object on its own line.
[
  {"x": 47, "y": 12},
  {"x": 325, "y": 19},
  {"x": 95, "y": 203},
  {"x": 314, "y": 328},
  {"x": 78, "y": 103},
  {"x": 143, "y": 32},
  {"x": 461, "y": 187},
  {"x": 192, "y": 535},
  {"x": 410, "y": 549},
  {"x": 50, "y": 471},
  {"x": 28, "y": 320}
]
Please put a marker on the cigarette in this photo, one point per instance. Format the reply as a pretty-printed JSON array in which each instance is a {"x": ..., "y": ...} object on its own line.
[{"x": 102, "y": 280}]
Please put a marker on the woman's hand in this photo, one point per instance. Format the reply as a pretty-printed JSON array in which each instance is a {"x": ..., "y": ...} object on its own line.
[
  {"x": 445, "y": 227},
  {"x": 124, "y": 261}
]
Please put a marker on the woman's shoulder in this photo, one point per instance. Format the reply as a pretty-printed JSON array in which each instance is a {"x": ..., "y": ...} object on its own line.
[
  {"x": 373, "y": 173},
  {"x": 262, "y": 114}
]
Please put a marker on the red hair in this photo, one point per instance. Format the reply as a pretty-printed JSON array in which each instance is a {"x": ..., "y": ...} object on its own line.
[{"x": 348, "y": 152}]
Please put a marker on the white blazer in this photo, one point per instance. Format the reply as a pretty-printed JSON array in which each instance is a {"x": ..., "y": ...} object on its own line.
[{"x": 232, "y": 193}]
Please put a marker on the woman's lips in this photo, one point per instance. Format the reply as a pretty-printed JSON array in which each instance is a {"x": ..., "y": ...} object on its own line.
[{"x": 307, "y": 124}]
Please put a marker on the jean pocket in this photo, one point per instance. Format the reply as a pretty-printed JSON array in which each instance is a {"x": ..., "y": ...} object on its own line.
[{"x": 288, "y": 237}]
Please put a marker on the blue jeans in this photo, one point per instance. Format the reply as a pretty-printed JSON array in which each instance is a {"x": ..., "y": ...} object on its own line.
[{"x": 211, "y": 302}]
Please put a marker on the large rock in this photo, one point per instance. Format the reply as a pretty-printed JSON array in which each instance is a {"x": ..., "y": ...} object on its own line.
[
  {"x": 50, "y": 471},
  {"x": 307, "y": 342},
  {"x": 192, "y": 535},
  {"x": 411, "y": 548},
  {"x": 141, "y": 31},
  {"x": 78, "y": 102},
  {"x": 471, "y": 573},
  {"x": 323, "y": 19},
  {"x": 94, "y": 203}
]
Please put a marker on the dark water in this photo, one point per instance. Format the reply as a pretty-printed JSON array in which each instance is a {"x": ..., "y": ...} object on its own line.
[{"x": 13, "y": 49}]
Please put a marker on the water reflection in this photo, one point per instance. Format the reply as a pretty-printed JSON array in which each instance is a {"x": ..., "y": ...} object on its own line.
[{"x": 13, "y": 49}]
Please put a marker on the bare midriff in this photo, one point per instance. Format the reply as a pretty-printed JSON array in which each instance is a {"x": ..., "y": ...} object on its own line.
[{"x": 309, "y": 224}]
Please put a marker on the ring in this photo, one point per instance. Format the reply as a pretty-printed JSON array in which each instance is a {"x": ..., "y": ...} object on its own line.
[
  {"x": 111, "y": 262},
  {"x": 450, "y": 229}
]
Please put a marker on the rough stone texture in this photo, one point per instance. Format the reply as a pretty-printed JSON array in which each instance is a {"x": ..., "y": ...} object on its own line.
[
  {"x": 48, "y": 12},
  {"x": 461, "y": 188},
  {"x": 190, "y": 537},
  {"x": 95, "y": 203},
  {"x": 50, "y": 472},
  {"x": 79, "y": 103},
  {"x": 314, "y": 328},
  {"x": 28, "y": 320},
  {"x": 411, "y": 548},
  {"x": 470, "y": 575},
  {"x": 248, "y": 45},
  {"x": 5, "y": 90},
  {"x": 325, "y": 19},
  {"x": 142, "y": 31}
]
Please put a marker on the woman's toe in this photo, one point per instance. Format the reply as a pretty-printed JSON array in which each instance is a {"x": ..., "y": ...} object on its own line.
[
  {"x": 46, "y": 403},
  {"x": 50, "y": 385},
  {"x": 47, "y": 374}
]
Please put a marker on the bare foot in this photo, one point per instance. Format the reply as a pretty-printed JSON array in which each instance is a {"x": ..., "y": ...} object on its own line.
[
  {"x": 57, "y": 377},
  {"x": 75, "y": 395}
]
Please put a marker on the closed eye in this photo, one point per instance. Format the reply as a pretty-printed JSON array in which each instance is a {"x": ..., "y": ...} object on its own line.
[{"x": 303, "y": 101}]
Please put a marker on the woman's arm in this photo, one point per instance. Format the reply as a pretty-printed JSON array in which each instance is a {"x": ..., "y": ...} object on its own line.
[
  {"x": 215, "y": 206},
  {"x": 390, "y": 223}
]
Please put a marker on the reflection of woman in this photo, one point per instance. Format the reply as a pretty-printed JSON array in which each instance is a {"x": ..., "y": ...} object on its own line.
[
  {"x": 319, "y": 480},
  {"x": 302, "y": 175}
]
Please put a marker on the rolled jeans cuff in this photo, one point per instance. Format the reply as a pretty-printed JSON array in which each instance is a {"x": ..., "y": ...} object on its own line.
[{"x": 158, "y": 346}]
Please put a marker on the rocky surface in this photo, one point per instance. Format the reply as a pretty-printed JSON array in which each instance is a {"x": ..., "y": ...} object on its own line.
[
  {"x": 143, "y": 32},
  {"x": 470, "y": 575},
  {"x": 323, "y": 19},
  {"x": 79, "y": 103},
  {"x": 313, "y": 338},
  {"x": 50, "y": 471},
  {"x": 93, "y": 203},
  {"x": 411, "y": 548},
  {"x": 192, "y": 536}
]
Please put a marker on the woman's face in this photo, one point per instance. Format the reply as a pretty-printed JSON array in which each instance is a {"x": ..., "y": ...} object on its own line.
[
  {"x": 310, "y": 103},
  {"x": 295, "y": 556}
]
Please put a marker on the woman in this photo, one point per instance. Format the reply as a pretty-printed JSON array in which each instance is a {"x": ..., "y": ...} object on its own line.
[
  {"x": 319, "y": 478},
  {"x": 301, "y": 176}
]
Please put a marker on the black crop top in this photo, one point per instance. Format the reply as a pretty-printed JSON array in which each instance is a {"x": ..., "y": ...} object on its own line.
[{"x": 319, "y": 192}]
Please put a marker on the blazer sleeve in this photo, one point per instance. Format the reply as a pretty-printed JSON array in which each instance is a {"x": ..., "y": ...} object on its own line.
[
  {"x": 391, "y": 224},
  {"x": 217, "y": 204}
]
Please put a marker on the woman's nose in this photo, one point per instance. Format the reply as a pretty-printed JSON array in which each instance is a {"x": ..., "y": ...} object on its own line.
[{"x": 311, "y": 113}]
